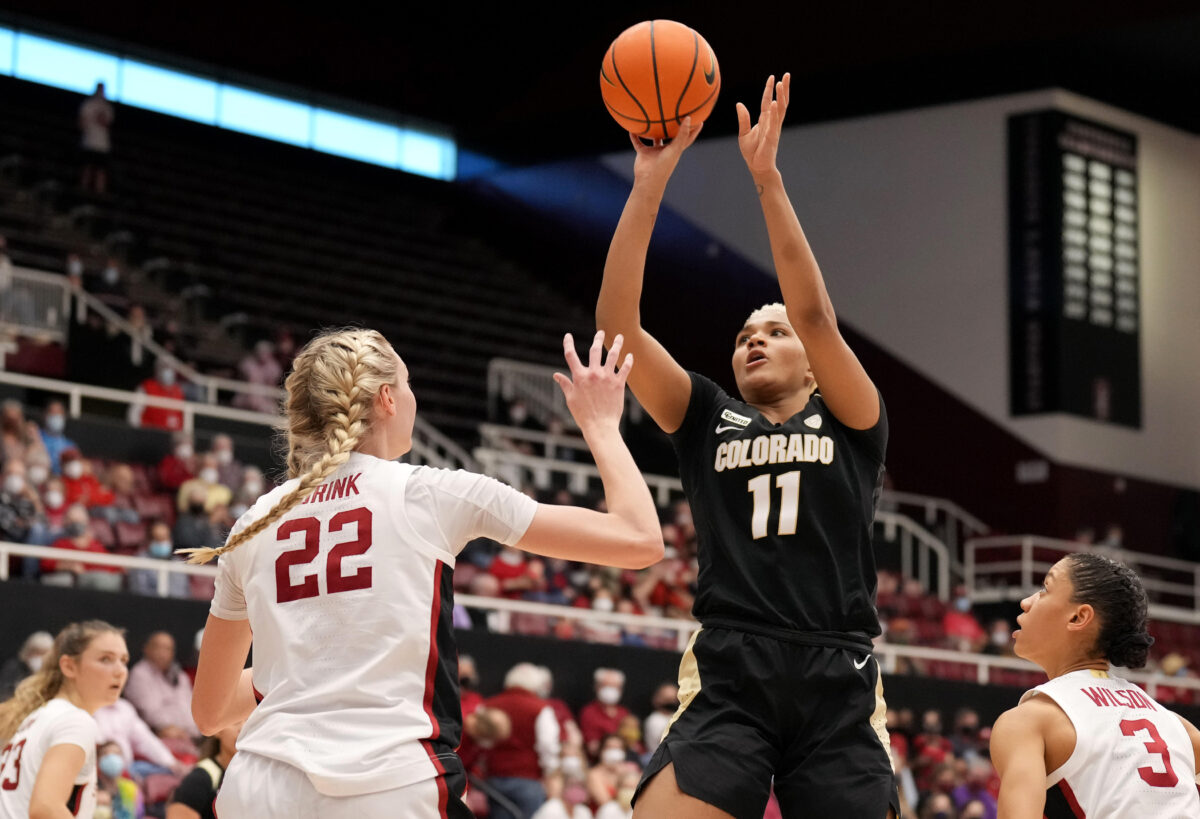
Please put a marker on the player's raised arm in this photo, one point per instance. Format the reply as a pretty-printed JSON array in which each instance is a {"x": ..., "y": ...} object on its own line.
[
  {"x": 1018, "y": 751},
  {"x": 628, "y": 534},
  {"x": 659, "y": 383},
  {"x": 845, "y": 385}
]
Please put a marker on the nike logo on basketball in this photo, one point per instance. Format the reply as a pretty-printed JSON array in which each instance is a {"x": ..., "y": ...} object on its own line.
[
  {"x": 711, "y": 73},
  {"x": 726, "y": 427},
  {"x": 813, "y": 421},
  {"x": 859, "y": 665}
]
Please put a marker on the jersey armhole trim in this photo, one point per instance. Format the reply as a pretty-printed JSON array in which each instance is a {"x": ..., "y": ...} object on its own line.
[{"x": 1075, "y": 760}]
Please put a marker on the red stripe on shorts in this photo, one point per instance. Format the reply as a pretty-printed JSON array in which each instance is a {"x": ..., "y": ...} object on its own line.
[
  {"x": 1071, "y": 800},
  {"x": 430, "y": 670}
]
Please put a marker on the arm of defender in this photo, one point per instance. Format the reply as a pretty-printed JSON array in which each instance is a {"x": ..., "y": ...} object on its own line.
[
  {"x": 660, "y": 384},
  {"x": 845, "y": 385},
  {"x": 1194, "y": 736},
  {"x": 55, "y": 781},
  {"x": 628, "y": 534},
  {"x": 224, "y": 692},
  {"x": 1018, "y": 751}
]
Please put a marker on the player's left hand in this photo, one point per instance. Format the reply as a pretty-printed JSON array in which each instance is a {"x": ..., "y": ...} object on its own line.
[
  {"x": 760, "y": 143},
  {"x": 595, "y": 393}
]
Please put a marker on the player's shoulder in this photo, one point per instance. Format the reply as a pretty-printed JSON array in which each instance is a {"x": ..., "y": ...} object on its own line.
[{"x": 60, "y": 715}]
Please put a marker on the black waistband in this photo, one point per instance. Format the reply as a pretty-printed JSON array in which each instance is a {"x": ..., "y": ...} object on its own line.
[{"x": 825, "y": 639}]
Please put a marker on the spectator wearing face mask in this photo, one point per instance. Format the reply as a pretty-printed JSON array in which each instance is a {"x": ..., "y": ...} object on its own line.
[
  {"x": 54, "y": 505},
  {"x": 20, "y": 507},
  {"x": 117, "y": 796},
  {"x": 516, "y": 765},
  {"x": 231, "y": 470},
  {"x": 77, "y": 536},
  {"x": 664, "y": 703},
  {"x": 208, "y": 480},
  {"x": 513, "y": 570},
  {"x": 179, "y": 465},
  {"x": 193, "y": 528},
  {"x": 28, "y": 661},
  {"x": 963, "y": 631},
  {"x": 163, "y": 384},
  {"x": 248, "y": 491},
  {"x": 122, "y": 484},
  {"x": 54, "y": 440},
  {"x": 602, "y": 716},
  {"x": 158, "y": 547},
  {"x": 110, "y": 286},
  {"x": 562, "y": 802},
  {"x": 80, "y": 484},
  {"x": 604, "y": 778}
]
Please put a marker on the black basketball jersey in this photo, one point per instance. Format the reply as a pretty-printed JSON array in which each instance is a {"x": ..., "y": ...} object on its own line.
[{"x": 783, "y": 513}]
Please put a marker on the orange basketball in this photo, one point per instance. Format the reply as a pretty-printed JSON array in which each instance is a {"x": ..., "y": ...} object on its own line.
[{"x": 655, "y": 74}]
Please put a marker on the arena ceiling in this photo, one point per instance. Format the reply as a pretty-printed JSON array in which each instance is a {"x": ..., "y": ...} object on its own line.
[{"x": 519, "y": 80}]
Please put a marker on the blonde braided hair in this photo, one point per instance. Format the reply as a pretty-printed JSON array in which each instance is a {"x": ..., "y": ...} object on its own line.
[
  {"x": 330, "y": 395},
  {"x": 44, "y": 685}
]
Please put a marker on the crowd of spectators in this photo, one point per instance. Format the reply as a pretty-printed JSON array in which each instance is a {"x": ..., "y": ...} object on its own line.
[{"x": 54, "y": 495}]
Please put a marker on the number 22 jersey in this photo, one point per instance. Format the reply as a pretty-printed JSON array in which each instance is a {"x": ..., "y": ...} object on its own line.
[
  {"x": 350, "y": 599},
  {"x": 1132, "y": 758},
  {"x": 783, "y": 513}
]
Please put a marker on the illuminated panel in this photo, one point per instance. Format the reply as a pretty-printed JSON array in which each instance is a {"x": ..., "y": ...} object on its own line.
[
  {"x": 62, "y": 65},
  {"x": 265, "y": 116},
  {"x": 168, "y": 92},
  {"x": 7, "y": 42}
]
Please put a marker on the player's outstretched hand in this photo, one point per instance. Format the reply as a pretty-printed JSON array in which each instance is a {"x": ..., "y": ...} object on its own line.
[
  {"x": 595, "y": 393},
  {"x": 656, "y": 163},
  {"x": 760, "y": 143}
]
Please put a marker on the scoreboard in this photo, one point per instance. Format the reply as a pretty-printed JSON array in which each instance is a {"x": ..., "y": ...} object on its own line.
[{"x": 1074, "y": 296}]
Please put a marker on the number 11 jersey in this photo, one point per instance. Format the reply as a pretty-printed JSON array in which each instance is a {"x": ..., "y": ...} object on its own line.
[
  {"x": 350, "y": 598},
  {"x": 783, "y": 514}
]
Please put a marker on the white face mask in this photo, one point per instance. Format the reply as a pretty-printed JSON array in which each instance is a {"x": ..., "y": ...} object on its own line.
[
  {"x": 38, "y": 474},
  {"x": 183, "y": 451},
  {"x": 609, "y": 694},
  {"x": 511, "y": 557},
  {"x": 602, "y": 604},
  {"x": 56, "y": 423},
  {"x": 612, "y": 756},
  {"x": 253, "y": 487},
  {"x": 224, "y": 456},
  {"x": 572, "y": 766},
  {"x": 209, "y": 475},
  {"x": 54, "y": 499},
  {"x": 34, "y": 663},
  {"x": 14, "y": 484},
  {"x": 167, "y": 377},
  {"x": 74, "y": 470}
]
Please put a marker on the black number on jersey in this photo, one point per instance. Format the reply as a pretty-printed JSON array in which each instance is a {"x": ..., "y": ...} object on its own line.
[{"x": 789, "y": 503}]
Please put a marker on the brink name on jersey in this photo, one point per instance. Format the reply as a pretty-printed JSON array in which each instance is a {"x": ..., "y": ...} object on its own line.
[
  {"x": 341, "y": 488},
  {"x": 774, "y": 449}
]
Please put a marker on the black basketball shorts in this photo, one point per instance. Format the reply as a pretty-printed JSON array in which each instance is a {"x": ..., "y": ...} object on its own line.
[{"x": 755, "y": 708}]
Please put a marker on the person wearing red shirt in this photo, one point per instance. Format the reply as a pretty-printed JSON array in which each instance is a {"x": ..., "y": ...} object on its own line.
[
  {"x": 602, "y": 716},
  {"x": 162, "y": 384},
  {"x": 179, "y": 465},
  {"x": 80, "y": 485},
  {"x": 517, "y": 764},
  {"x": 83, "y": 575},
  {"x": 963, "y": 631},
  {"x": 514, "y": 573}
]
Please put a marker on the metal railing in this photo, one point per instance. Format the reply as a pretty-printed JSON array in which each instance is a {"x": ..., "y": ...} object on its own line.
[
  {"x": 34, "y": 304},
  {"x": 519, "y": 469},
  {"x": 533, "y": 383},
  {"x": 952, "y": 524},
  {"x": 889, "y": 656},
  {"x": 918, "y": 549},
  {"x": 1011, "y": 567}
]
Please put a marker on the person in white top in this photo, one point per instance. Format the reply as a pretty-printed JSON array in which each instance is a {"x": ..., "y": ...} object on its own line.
[
  {"x": 95, "y": 122},
  {"x": 48, "y": 759},
  {"x": 1087, "y": 743},
  {"x": 341, "y": 579}
]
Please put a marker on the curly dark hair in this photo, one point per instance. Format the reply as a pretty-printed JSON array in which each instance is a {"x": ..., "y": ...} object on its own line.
[{"x": 1117, "y": 595}]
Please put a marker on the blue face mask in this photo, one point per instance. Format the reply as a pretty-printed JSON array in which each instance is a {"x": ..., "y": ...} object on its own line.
[
  {"x": 111, "y": 765},
  {"x": 160, "y": 548}
]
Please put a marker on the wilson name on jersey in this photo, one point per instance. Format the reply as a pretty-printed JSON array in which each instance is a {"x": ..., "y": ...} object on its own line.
[{"x": 783, "y": 513}]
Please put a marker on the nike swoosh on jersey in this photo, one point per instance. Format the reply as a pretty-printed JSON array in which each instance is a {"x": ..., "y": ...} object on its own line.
[
  {"x": 859, "y": 665},
  {"x": 813, "y": 421},
  {"x": 727, "y": 427}
]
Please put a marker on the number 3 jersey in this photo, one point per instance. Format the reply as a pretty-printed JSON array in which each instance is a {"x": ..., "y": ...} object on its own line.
[
  {"x": 783, "y": 514},
  {"x": 350, "y": 600},
  {"x": 1132, "y": 757}
]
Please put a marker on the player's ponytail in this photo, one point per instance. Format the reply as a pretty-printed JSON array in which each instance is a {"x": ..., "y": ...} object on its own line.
[
  {"x": 44, "y": 684},
  {"x": 1117, "y": 595},
  {"x": 330, "y": 394}
]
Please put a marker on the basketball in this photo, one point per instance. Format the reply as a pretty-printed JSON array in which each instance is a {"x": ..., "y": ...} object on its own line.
[{"x": 655, "y": 74}]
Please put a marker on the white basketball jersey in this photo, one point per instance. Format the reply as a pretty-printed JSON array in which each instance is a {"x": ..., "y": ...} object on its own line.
[
  {"x": 350, "y": 600},
  {"x": 58, "y": 722},
  {"x": 1133, "y": 758}
]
